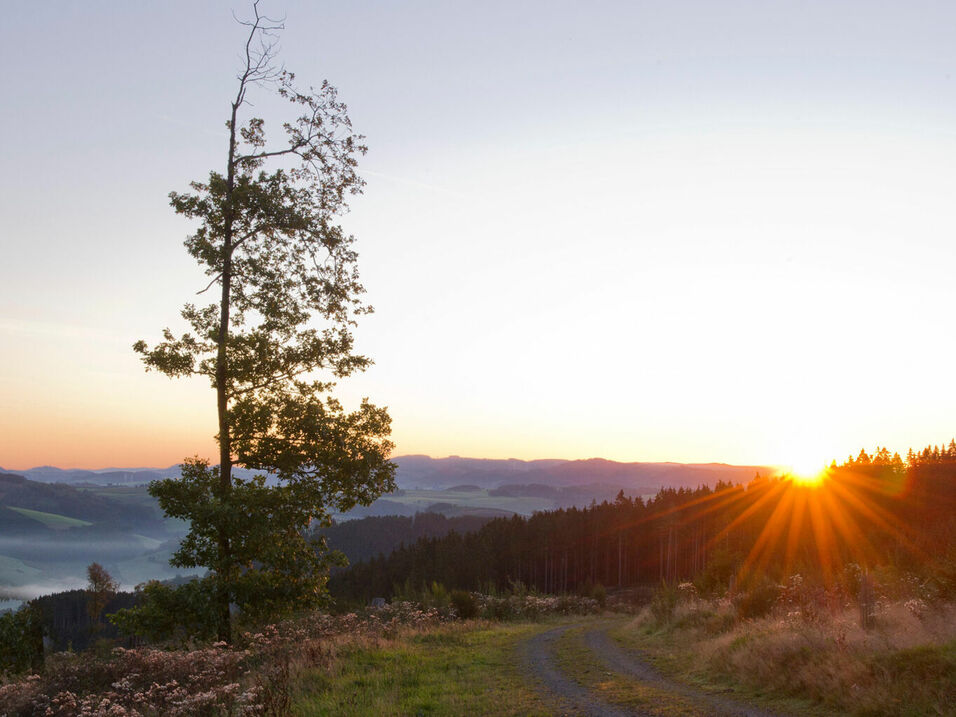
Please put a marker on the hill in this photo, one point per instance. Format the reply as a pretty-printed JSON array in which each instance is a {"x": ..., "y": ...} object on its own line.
[
  {"x": 634, "y": 478},
  {"x": 61, "y": 499},
  {"x": 50, "y": 532},
  {"x": 417, "y": 471}
]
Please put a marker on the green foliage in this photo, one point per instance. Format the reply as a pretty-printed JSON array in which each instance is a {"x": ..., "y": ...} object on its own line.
[
  {"x": 21, "y": 640},
  {"x": 282, "y": 568},
  {"x": 465, "y": 604},
  {"x": 664, "y": 603},
  {"x": 929, "y": 663},
  {"x": 430, "y": 595},
  {"x": 273, "y": 346},
  {"x": 165, "y": 612},
  {"x": 593, "y": 590},
  {"x": 713, "y": 580}
]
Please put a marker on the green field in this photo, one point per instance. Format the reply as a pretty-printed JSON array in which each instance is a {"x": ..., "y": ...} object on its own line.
[
  {"x": 138, "y": 495},
  {"x": 52, "y": 520}
]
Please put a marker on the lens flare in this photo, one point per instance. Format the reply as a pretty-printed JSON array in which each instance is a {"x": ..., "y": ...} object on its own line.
[{"x": 806, "y": 472}]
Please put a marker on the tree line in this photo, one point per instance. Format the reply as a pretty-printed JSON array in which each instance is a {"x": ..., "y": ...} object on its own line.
[{"x": 872, "y": 510}]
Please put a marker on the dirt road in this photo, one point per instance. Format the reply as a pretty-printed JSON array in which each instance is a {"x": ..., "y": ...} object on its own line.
[{"x": 645, "y": 690}]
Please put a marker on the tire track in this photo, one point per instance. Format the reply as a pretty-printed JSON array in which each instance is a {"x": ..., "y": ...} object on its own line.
[
  {"x": 631, "y": 664},
  {"x": 538, "y": 658},
  {"x": 573, "y": 698}
]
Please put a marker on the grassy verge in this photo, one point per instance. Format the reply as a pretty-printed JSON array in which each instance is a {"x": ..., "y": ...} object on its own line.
[
  {"x": 828, "y": 665},
  {"x": 455, "y": 669}
]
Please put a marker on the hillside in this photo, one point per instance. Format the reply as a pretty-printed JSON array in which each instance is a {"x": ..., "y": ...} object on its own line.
[
  {"x": 61, "y": 499},
  {"x": 50, "y": 532}
]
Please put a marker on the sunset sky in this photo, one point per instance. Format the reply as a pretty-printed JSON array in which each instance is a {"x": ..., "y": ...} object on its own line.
[{"x": 687, "y": 231}]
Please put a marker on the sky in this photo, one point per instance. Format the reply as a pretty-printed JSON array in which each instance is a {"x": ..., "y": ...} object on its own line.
[{"x": 643, "y": 231}]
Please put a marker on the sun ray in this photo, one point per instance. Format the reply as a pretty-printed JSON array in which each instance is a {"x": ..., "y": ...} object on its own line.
[
  {"x": 857, "y": 543},
  {"x": 754, "y": 507},
  {"x": 880, "y": 518},
  {"x": 795, "y": 529},
  {"x": 823, "y": 538},
  {"x": 762, "y": 548}
]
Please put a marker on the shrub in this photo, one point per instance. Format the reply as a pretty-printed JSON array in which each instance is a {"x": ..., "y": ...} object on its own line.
[
  {"x": 713, "y": 580},
  {"x": 595, "y": 591},
  {"x": 21, "y": 640},
  {"x": 531, "y": 607},
  {"x": 664, "y": 603},
  {"x": 252, "y": 677},
  {"x": 758, "y": 601},
  {"x": 433, "y": 595},
  {"x": 465, "y": 604}
]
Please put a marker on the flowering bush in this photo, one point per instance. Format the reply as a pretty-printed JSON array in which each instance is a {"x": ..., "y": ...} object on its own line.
[
  {"x": 250, "y": 678},
  {"x": 916, "y": 607},
  {"x": 531, "y": 607},
  {"x": 144, "y": 681}
]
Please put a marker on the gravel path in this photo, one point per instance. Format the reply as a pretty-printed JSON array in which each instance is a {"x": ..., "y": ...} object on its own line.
[
  {"x": 574, "y": 699},
  {"x": 537, "y": 655},
  {"x": 630, "y": 663}
]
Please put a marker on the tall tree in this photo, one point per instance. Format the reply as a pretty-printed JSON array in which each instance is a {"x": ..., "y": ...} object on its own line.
[
  {"x": 273, "y": 346},
  {"x": 100, "y": 589}
]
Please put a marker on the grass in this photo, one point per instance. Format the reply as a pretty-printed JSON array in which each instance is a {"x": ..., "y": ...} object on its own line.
[
  {"x": 674, "y": 650},
  {"x": 455, "y": 669},
  {"x": 139, "y": 495},
  {"x": 827, "y": 665},
  {"x": 582, "y": 665},
  {"x": 52, "y": 520}
]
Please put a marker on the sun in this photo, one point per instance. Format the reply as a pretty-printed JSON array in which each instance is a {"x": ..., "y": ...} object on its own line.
[{"x": 807, "y": 472}]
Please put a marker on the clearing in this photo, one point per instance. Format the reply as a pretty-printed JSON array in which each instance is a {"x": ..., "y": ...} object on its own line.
[{"x": 555, "y": 667}]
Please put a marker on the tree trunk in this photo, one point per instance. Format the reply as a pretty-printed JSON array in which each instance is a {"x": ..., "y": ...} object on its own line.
[{"x": 224, "y": 629}]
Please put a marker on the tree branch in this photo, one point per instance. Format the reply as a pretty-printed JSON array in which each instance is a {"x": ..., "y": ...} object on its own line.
[{"x": 209, "y": 286}]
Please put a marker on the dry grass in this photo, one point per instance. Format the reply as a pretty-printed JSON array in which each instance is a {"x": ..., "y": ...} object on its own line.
[{"x": 905, "y": 665}]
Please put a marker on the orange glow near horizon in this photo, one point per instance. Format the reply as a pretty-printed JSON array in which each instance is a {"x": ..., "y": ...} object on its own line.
[
  {"x": 806, "y": 471},
  {"x": 829, "y": 515},
  {"x": 809, "y": 479},
  {"x": 827, "y": 519}
]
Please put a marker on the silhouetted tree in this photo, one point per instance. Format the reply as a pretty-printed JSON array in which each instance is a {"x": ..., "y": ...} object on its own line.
[{"x": 267, "y": 237}]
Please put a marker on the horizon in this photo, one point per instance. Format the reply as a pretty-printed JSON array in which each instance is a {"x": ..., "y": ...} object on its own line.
[
  {"x": 654, "y": 232},
  {"x": 404, "y": 455}
]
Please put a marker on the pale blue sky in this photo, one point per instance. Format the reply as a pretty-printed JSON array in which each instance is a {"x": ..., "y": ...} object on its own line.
[{"x": 646, "y": 231}]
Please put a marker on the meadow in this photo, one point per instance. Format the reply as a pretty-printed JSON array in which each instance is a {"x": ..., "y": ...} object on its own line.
[{"x": 676, "y": 655}]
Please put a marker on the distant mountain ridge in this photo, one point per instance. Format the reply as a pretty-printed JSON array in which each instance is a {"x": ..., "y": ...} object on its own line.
[
  {"x": 419, "y": 471},
  {"x": 104, "y": 476},
  {"x": 635, "y": 478}
]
